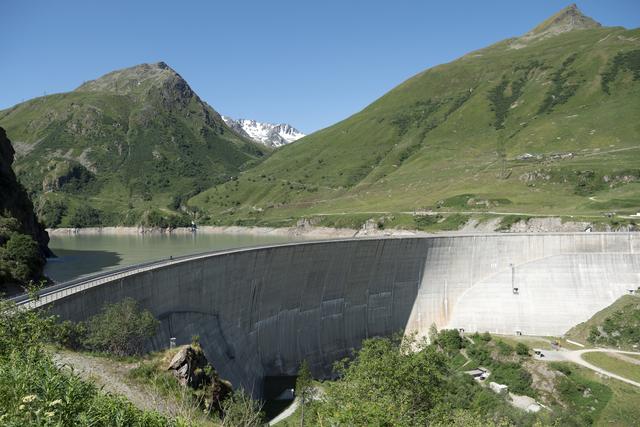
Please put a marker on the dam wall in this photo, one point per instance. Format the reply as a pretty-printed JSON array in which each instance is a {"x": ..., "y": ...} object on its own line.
[{"x": 262, "y": 311}]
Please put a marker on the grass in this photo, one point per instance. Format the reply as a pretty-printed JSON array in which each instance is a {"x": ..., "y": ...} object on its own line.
[
  {"x": 411, "y": 150},
  {"x": 614, "y": 326},
  {"x": 615, "y": 407},
  {"x": 613, "y": 364}
]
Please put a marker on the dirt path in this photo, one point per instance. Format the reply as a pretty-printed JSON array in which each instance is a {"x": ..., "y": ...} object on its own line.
[{"x": 111, "y": 376}]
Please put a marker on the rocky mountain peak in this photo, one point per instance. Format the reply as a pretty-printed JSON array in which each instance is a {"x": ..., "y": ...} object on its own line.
[
  {"x": 269, "y": 134},
  {"x": 133, "y": 79},
  {"x": 568, "y": 19}
]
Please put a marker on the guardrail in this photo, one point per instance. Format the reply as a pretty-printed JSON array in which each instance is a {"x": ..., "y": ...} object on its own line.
[{"x": 61, "y": 290}]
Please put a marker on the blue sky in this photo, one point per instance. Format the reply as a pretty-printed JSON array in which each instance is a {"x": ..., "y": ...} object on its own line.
[{"x": 307, "y": 63}]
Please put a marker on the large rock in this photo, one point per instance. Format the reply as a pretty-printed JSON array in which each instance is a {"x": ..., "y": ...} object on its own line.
[{"x": 192, "y": 369}]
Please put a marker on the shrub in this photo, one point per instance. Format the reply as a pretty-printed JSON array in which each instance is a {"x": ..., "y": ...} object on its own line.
[
  {"x": 449, "y": 340},
  {"x": 241, "y": 410},
  {"x": 85, "y": 216},
  {"x": 522, "y": 349},
  {"x": 35, "y": 391},
  {"x": 51, "y": 213},
  {"x": 121, "y": 329},
  {"x": 20, "y": 258},
  {"x": 424, "y": 221}
]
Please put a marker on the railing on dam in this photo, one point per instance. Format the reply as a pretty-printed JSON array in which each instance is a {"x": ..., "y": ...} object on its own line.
[{"x": 62, "y": 290}]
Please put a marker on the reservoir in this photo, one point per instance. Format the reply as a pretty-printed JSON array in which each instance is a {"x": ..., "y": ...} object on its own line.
[{"x": 80, "y": 255}]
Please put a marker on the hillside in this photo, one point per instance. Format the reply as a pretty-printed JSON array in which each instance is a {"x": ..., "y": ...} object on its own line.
[
  {"x": 617, "y": 326},
  {"x": 23, "y": 240},
  {"x": 126, "y": 148},
  {"x": 544, "y": 124}
]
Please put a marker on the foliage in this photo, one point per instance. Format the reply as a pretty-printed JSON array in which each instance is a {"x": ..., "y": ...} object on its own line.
[
  {"x": 406, "y": 382},
  {"x": 449, "y": 340},
  {"x": 423, "y": 221},
  {"x": 585, "y": 398},
  {"x": 35, "y": 391},
  {"x": 561, "y": 89},
  {"x": 241, "y": 410},
  {"x": 622, "y": 328},
  {"x": 156, "y": 218},
  {"x": 305, "y": 390},
  {"x": 507, "y": 221},
  {"x": 120, "y": 329},
  {"x": 490, "y": 353},
  {"x": 615, "y": 326},
  {"x": 623, "y": 61},
  {"x": 20, "y": 256},
  {"x": 522, "y": 349},
  {"x": 51, "y": 212},
  {"x": 85, "y": 216}
]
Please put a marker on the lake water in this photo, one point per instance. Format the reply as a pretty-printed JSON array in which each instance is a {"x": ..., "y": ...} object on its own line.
[{"x": 80, "y": 255}]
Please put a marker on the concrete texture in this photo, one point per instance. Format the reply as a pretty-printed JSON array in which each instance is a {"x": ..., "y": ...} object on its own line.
[{"x": 262, "y": 311}]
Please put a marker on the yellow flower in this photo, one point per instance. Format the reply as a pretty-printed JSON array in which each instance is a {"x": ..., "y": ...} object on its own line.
[
  {"x": 49, "y": 414},
  {"x": 55, "y": 402},
  {"x": 30, "y": 398},
  {"x": 21, "y": 407}
]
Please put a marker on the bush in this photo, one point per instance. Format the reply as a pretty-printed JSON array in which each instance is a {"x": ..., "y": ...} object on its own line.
[
  {"x": 121, "y": 329},
  {"x": 522, "y": 349},
  {"x": 51, "y": 213},
  {"x": 20, "y": 258},
  {"x": 85, "y": 216},
  {"x": 241, "y": 410},
  {"x": 34, "y": 391},
  {"x": 449, "y": 340},
  {"x": 69, "y": 334}
]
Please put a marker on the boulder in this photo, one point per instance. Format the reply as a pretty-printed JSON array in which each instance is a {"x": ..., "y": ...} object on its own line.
[{"x": 192, "y": 369}]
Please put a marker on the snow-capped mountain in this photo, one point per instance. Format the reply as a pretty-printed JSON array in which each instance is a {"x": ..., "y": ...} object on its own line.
[{"x": 271, "y": 135}]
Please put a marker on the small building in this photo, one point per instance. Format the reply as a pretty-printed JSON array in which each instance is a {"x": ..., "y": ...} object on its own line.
[{"x": 479, "y": 374}]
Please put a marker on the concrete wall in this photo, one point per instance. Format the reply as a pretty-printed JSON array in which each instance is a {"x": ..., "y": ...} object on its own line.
[{"x": 261, "y": 311}]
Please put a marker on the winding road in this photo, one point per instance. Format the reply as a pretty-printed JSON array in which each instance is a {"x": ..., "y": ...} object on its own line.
[{"x": 575, "y": 356}]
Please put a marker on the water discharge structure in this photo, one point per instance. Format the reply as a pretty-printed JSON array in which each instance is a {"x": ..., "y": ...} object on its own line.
[{"x": 261, "y": 311}]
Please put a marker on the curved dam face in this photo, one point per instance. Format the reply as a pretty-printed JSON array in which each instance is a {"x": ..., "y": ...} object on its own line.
[{"x": 260, "y": 312}]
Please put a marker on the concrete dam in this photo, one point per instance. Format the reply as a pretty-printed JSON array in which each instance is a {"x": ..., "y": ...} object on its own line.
[{"x": 259, "y": 312}]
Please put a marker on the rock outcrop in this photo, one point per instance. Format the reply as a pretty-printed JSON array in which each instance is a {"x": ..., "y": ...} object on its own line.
[
  {"x": 192, "y": 369},
  {"x": 14, "y": 200}
]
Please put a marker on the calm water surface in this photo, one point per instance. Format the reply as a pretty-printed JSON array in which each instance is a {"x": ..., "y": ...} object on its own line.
[{"x": 82, "y": 255}]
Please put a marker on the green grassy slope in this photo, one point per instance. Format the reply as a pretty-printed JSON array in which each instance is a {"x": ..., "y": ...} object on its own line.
[
  {"x": 618, "y": 326},
  {"x": 542, "y": 126},
  {"x": 132, "y": 140}
]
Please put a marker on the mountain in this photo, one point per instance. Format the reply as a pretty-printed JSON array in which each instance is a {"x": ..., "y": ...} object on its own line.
[
  {"x": 126, "y": 148},
  {"x": 542, "y": 124},
  {"x": 269, "y": 134},
  {"x": 23, "y": 240}
]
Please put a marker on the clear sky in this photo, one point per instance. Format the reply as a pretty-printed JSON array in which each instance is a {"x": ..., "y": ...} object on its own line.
[{"x": 308, "y": 63}]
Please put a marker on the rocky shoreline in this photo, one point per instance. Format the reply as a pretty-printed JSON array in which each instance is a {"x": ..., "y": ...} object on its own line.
[{"x": 533, "y": 225}]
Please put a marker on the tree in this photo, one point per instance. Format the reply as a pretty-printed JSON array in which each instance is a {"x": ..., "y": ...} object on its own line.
[
  {"x": 240, "y": 409},
  {"x": 305, "y": 390},
  {"x": 20, "y": 258},
  {"x": 121, "y": 329},
  {"x": 85, "y": 216}
]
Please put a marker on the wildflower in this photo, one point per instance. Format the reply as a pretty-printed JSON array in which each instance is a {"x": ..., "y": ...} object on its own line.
[
  {"x": 30, "y": 398},
  {"x": 55, "y": 402},
  {"x": 49, "y": 414},
  {"x": 21, "y": 407}
]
